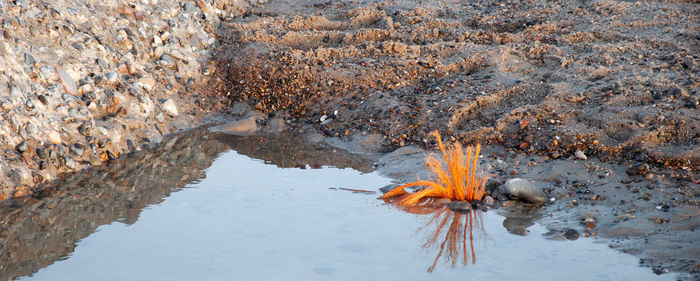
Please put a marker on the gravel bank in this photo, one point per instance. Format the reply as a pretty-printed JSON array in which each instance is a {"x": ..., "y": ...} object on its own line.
[{"x": 82, "y": 82}]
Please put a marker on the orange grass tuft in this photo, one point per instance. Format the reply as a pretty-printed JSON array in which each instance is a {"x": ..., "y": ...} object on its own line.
[{"x": 454, "y": 176}]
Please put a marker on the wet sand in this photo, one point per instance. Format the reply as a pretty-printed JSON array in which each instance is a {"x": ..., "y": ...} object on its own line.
[{"x": 595, "y": 101}]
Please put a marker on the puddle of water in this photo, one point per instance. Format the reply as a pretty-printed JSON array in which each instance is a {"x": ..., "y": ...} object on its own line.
[{"x": 250, "y": 220}]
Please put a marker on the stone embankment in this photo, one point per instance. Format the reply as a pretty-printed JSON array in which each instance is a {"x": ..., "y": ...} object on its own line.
[{"x": 85, "y": 81}]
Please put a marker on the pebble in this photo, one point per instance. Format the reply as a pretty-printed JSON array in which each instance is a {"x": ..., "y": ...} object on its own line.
[
  {"x": 170, "y": 108},
  {"x": 571, "y": 234},
  {"x": 29, "y": 59},
  {"x": 78, "y": 46},
  {"x": 22, "y": 147},
  {"x": 487, "y": 200},
  {"x": 638, "y": 169},
  {"x": 160, "y": 117},
  {"x": 166, "y": 60},
  {"x": 156, "y": 41},
  {"x": 46, "y": 71},
  {"x": 70, "y": 163},
  {"x": 41, "y": 153},
  {"x": 524, "y": 189},
  {"x": 460, "y": 206},
  {"x": 580, "y": 155},
  {"x": 77, "y": 149},
  {"x": 54, "y": 137},
  {"x": 111, "y": 76},
  {"x": 146, "y": 83},
  {"x": 32, "y": 130},
  {"x": 67, "y": 81}
]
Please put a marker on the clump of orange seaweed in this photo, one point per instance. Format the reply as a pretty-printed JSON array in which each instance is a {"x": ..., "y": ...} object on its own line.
[{"x": 454, "y": 178}]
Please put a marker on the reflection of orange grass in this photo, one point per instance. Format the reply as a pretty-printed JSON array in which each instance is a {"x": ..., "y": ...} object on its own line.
[
  {"x": 455, "y": 226},
  {"x": 454, "y": 246},
  {"x": 458, "y": 182}
]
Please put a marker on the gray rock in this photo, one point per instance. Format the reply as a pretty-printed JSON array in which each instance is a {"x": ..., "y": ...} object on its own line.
[
  {"x": 70, "y": 164},
  {"x": 46, "y": 71},
  {"x": 29, "y": 59},
  {"x": 638, "y": 169},
  {"x": 523, "y": 189},
  {"x": 580, "y": 155},
  {"x": 103, "y": 63},
  {"x": 487, "y": 200},
  {"x": 15, "y": 93},
  {"x": 571, "y": 234},
  {"x": 160, "y": 117},
  {"x": 111, "y": 76},
  {"x": 32, "y": 130},
  {"x": 460, "y": 206},
  {"x": 387, "y": 188},
  {"x": 166, "y": 60},
  {"x": 78, "y": 46},
  {"x": 67, "y": 81},
  {"x": 170, "y": 108},
  {"x": 78, "y": 149},
  {"x": 22, "y": 147}
]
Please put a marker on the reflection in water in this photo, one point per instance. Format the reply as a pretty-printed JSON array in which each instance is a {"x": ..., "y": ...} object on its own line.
[
  {"x": 451, "y": 234},
  {"x": 40, "y": 230}
]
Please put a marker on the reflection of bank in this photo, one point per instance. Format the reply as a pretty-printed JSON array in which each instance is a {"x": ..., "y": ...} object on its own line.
[{"x": 451, "y": 234}]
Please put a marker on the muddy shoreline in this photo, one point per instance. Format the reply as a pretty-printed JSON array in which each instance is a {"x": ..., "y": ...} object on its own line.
[{"x": 596, "y": 102}]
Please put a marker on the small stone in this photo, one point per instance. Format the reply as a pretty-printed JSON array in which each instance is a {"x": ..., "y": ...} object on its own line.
[
  {"x": 29, "y": 104},
  {"x": 488, "y": 200},
  {"x": 41, "y": 153},
  {"x": 54, "y": 137},
  {"x": 523, "y": 189},
  {"x": 460, "y": 206},
  {"x": 638, "y": 169},
  {"x": 67, "y": 81},
  {"x": 22, "y": 192},
  {"x": 78, "y": 149},
  {"x": 70, "y": 164},
  {"x": 170, "y": 108},
  {"x": 589, "y": 222},
  {"x": 32, "y": 130},
  {"x": 16, "y": 92},
  {"x": 46, "y": 71},
  {"x": 111, "y": 76},
  {"x": 571, "y": 234},
  {"x": 29, "y": 59},
  {"x": 131, "y": 68},
  {"x": 580, "y": 155},
  {"x": 160, "y": 117},
  {"x": 156, "y": 41},
  {"x": 166, "y": 60},
  {"x": 147, "y": 83},
  {"x": 103, "y": 63},
  {"x": 123, "y": 68},
  {"x": 22, "y": 147},
  {"x": 78, "y": 46}
]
